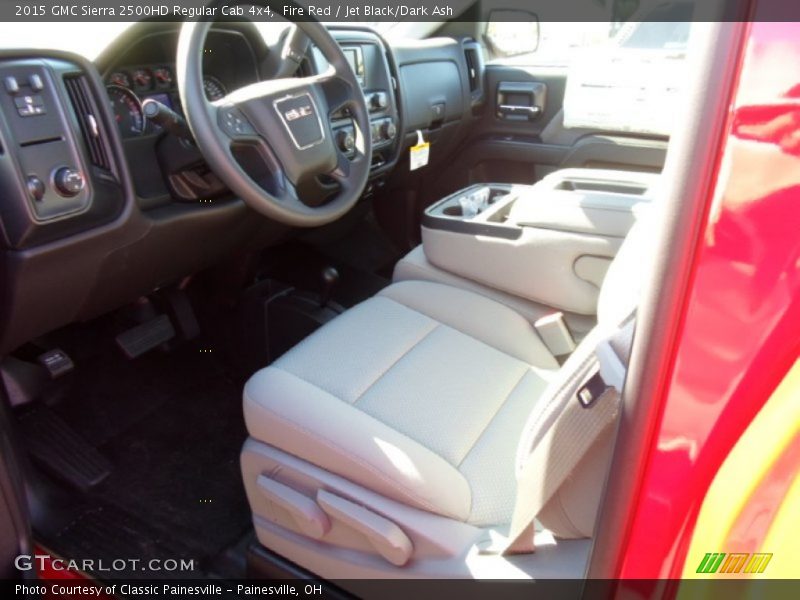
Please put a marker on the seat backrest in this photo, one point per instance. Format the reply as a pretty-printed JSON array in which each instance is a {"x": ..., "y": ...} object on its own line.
[
  {"x": 619, "y": 294},
  {"x": 572, "y": 510}
]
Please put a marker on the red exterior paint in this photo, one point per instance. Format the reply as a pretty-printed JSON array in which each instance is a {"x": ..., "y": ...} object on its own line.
[
  {"x": 51, "y": 573},
  {"x": 46, "y": 570},
  {"x": 741, "y": 326}
]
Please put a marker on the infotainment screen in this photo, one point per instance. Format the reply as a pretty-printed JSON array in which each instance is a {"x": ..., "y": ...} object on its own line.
[{"x": 356, "y": 60}]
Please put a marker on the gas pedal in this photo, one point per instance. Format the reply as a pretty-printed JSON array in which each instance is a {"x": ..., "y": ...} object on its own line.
[{"x": 143, "y": 338}]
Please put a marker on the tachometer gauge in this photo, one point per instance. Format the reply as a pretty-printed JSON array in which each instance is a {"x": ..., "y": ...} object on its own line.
[
  {"x": 142, "y": 79},
  {"x": 120, "y": 78},
  {"x": 127, "y": 111},
  {"x": 163, "y": 77},
  {"x": 214, "y": 88}
]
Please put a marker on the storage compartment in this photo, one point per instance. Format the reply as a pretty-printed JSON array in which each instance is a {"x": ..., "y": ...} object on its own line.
[
  {"x": 550, "y": 242},
  {"x": 578, "y": 185}
]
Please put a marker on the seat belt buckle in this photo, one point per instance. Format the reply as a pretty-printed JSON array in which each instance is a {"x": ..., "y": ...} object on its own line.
[
  {"x": 590, "y": 391},
  {"x": 553, "y": 331}
]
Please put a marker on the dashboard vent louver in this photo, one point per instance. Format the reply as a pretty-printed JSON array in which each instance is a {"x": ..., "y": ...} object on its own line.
[
  {"x": 473, "y": 60},
  {"x": 88, "y": 116},
  {"x": 471, "y": 55}
]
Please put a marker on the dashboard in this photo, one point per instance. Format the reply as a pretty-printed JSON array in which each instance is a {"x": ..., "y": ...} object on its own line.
[
  {"x": 99, "y": 206},
  {"x": 146, "y": 70}
]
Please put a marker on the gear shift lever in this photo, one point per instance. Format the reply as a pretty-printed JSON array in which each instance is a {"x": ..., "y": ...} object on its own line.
[{"x": 330, "y": 277}]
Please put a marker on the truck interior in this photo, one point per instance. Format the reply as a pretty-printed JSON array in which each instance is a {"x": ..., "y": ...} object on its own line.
[{"x": 305, "y": 304}]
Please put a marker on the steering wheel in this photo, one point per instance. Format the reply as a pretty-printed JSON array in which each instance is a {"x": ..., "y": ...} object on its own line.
[{"x": 288, "y": 121}]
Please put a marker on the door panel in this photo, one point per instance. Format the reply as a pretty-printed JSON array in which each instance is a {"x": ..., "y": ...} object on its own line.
[{"x": 523, "y": 150}]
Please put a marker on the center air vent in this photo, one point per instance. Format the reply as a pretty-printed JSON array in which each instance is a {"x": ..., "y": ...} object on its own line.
[
  {"x": 89, "y": 120},
  {"x": 473, "y": 57}
]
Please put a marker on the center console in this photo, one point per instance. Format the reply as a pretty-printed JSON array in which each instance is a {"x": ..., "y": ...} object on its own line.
[
  {"x": 549, "y": 243},
  {"x": 369, "y": 60}
]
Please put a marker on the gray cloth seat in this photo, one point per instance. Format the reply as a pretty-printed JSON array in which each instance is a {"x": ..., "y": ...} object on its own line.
[
  {"x": 426, "y": 393},
  {"x": 420, "y": 393}
]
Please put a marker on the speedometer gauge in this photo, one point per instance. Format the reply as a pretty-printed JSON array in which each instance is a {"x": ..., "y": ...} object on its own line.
[
  {"x": 127, "y": 111},
  {"x": 213, "y": 88}
]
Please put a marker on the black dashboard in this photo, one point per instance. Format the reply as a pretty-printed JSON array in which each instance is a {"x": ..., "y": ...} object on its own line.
[{"x": 100, "y": 207}]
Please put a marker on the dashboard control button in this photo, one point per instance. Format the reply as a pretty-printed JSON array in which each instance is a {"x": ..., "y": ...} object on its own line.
[
  {"x": 23, "y": 101},
  {"x": 12, "y": 86},
  {"x": 36, "y": 83},
  {"x": 68, "y": 180},
  {"x": 388, "y": 130},
  {"x": 345, "y": 140},
  {"x": 28, "y": 106},
  {"x": 378, "y": 101},
  {"x": 35, "y": 187}
]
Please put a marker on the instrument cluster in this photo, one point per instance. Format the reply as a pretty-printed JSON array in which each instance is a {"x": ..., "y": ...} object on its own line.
[{"x": 128, "y": 87}]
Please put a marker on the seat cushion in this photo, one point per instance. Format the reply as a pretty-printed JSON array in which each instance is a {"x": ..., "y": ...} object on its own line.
[{"x": 420, "y": 393}]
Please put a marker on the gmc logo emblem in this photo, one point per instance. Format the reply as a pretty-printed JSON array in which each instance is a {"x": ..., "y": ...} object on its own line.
[{"x": 299, "y": 112}]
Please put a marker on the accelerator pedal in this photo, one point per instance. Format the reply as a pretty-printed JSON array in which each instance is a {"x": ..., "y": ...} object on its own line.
[{"x": 143, "y": 338}]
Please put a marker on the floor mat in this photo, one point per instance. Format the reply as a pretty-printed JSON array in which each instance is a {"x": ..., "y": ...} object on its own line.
[
  {"x": 123, "y": 546},
  {"x": 180, "y": 466},
  {"x": 171, "y": 425}
]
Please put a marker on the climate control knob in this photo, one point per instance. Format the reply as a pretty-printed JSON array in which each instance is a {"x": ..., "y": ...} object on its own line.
[
  {"x": 379, "y": 101},
  {"x": 388, "y": 130},
  {"x": 69, "y": 181},
  {"x": 345, "y": 140}
]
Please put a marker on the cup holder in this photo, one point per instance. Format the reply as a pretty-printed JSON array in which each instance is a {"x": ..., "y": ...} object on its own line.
[{"x": 453, "y": 211}]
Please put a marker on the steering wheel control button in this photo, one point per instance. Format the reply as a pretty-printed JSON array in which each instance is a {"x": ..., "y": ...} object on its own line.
[
  {"x": 69, "y": 181},
  {"x": 35, "y": 187},
  {"x": 234, "y": 122}
]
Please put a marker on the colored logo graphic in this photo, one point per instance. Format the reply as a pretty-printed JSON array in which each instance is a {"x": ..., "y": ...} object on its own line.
[{"x": 720, "y": 562}]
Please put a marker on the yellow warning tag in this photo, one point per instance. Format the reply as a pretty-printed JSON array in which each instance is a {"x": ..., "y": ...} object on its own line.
[{"x": 419, "y": 154}]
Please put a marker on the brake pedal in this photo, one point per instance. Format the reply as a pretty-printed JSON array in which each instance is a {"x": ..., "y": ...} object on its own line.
[{"x": 143, "y": 338}]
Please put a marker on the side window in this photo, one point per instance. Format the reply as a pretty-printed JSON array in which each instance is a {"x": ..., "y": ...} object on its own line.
[
  {"x": 520, "y": 38},
  {"x": 557, "y": 43}
]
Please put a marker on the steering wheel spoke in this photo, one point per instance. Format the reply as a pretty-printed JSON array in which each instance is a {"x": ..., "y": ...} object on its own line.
[{"x": 338, "y": 94}]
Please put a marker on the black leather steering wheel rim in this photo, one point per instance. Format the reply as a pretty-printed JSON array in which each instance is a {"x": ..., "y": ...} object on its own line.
[{"x": 258, "y": 115}]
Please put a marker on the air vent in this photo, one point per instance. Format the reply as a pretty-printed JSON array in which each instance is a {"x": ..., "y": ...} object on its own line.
[
  {"x": 472, "y": 68},
  {"x": 473, "y": 58},
  {"x": 88, "y": 118}
]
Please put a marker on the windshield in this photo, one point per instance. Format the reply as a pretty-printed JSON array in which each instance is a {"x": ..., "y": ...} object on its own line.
[
  {"x": 86, "y": 39},
  {"x": 91, "y": 38}
]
